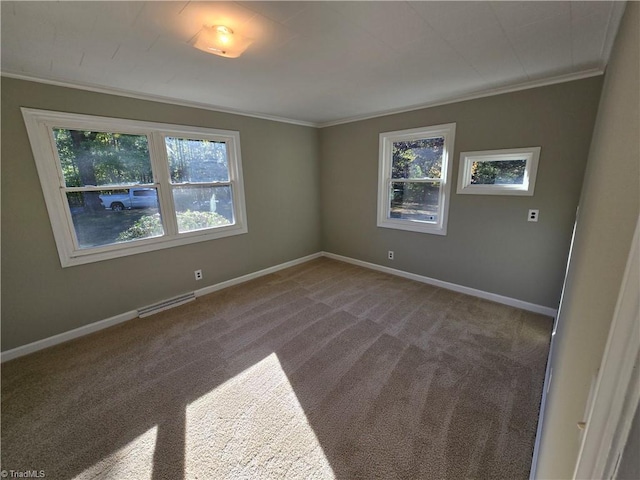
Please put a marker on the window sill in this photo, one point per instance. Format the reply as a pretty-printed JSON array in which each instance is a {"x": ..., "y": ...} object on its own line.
[
  {"x": 81, "y": 257},
  {"x": 413, "y": 226}
]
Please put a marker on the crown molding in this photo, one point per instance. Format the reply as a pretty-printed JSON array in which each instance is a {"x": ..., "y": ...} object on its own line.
[
  {"x": 593, "y": 72},
  {"x": 153, "y": 98},
  {"x": 203, "y": 106}
]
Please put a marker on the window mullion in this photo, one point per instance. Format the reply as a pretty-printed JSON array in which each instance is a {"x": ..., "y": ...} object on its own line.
[
  {"x": 160, "y": 166},
  {"x": 415, "y": 180},
  {"x": 101, "y": 188},
  {"x": 201, "y": 184}
]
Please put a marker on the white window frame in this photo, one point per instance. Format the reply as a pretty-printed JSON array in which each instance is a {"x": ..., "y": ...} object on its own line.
[
  {"x": 530, "y": 154},
  {"x": 448, "y": 131},
  {"x": 40, "y": 124}
]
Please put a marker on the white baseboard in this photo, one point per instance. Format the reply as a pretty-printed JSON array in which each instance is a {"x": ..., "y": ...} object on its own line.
[
  {"x": 512, "y": 302},
  {"x": 109, "y": 322},
  {"x": 66, "y": 336},
  {"x": 259, "y": 273}
]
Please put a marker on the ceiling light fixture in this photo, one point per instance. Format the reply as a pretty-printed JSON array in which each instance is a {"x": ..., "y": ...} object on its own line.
[{"x": 220, "y": 40}]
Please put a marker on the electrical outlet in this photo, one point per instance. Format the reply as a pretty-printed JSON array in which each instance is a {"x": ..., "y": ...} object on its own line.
[
  {"x": 533, "y": 215},
  {"x": 198, "y": 274},
  {"x": 390, "y": 255}
]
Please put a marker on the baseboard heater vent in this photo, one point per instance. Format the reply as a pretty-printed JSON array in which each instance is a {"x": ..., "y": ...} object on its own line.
[{"x": 166, "y": 304}]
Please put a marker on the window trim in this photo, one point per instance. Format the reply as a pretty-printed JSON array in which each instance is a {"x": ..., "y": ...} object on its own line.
[
  {"x": 448, "y": 131},
  {"x": 530, "y": 154},
  {"x": 39, "y": 125}
]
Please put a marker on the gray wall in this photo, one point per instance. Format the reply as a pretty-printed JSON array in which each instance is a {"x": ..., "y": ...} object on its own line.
[
  {"x": 609, "y": 208},
  {"x": 306, "y": 190},
  {"x": 489, "y": 245},
  {"x": 41, "y": 299},
  {"x": 630, "y": 462}
]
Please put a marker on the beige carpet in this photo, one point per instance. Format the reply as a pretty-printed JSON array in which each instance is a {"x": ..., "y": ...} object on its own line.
[{"x": 324, "y": 370}]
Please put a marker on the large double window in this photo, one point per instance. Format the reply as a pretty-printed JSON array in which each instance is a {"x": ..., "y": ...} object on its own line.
[
  {"x": 117, "y": 187},
  {"x": 415, "y": 178}
]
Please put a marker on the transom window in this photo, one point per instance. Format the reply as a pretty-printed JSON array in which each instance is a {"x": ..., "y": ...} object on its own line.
[
  {"x": 499, "y": 172},
  {"x": 118, "y": 187},
  {"x": 414, "y": 178}
]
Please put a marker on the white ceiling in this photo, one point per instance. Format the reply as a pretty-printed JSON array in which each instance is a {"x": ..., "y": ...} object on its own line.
[{"x": 311, "y": 62}]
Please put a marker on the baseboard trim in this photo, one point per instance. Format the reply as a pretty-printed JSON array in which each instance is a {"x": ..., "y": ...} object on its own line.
[
  {"x": 512, "y": 302},
  {"x": 123, "y": 317},
  {"x": 66, "y": 336},
  {"x": 109, "y": 322},
  {"x": 254, "y": 275}
]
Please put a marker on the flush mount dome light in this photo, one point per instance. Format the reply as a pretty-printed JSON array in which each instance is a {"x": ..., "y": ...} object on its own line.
[{"x": 220, "y": 40}]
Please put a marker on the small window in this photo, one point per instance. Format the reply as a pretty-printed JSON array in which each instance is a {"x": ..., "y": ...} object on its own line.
[
  {"x": 118, "y": 187},
  {"x": 414, "y": 178},
  {"x": 499, "y": 172}
]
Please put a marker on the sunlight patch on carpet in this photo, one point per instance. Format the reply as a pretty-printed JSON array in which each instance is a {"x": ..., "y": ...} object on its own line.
[
  {"x": 253, "y": 426},
  {"x": 134, "y": 460}
]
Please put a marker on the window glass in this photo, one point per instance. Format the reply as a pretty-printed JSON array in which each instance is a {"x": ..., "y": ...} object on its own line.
[
  {"x": 418, "y": 158},
  {"x": 202, "y": 207},
  {"x": 145, "y": 193},
  {"x": 415, "y": 201},
  {"x": 508, "y": 172},
  {"x": 197, "y": 160},
  {"x": 99, "y": 158},
  {"x": 121, "y": 218}
]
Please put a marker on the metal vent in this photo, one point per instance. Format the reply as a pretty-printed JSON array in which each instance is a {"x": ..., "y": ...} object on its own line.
[{"x": 166, "y": 304}]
